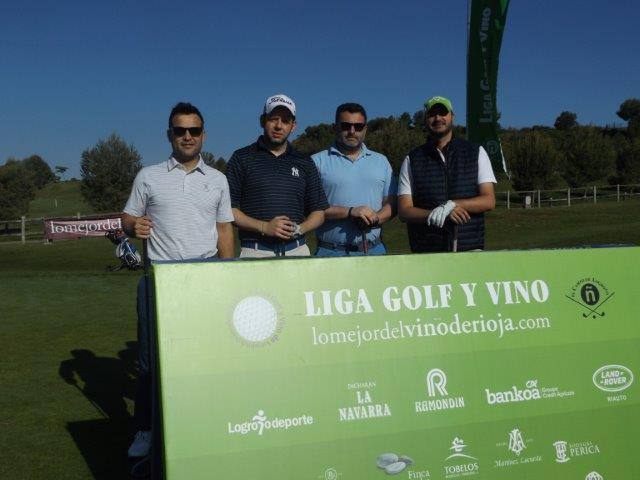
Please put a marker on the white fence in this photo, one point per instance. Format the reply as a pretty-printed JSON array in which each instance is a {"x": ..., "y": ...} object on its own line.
[{"x": 566, "y": 196}]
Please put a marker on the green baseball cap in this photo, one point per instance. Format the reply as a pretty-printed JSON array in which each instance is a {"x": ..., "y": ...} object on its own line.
[{"x": 441, "y": 100}]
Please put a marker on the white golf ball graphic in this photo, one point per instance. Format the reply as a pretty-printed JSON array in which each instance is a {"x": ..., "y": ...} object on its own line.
[{"x": 255, "y": 319}]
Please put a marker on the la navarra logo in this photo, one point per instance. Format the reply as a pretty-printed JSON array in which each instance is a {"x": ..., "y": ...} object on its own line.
[{"x": 591, "y": 295}]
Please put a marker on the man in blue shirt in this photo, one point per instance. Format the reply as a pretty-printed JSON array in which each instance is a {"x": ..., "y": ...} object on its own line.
[{"x": 359, "y": 186}]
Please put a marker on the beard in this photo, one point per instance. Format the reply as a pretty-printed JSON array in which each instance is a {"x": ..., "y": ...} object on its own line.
[{"x": 440, "y": 133}]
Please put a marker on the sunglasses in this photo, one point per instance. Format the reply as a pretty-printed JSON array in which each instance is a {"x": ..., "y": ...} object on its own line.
[
  {"x": 182, "y": 131},
  {"x": 346, "y": 126}
]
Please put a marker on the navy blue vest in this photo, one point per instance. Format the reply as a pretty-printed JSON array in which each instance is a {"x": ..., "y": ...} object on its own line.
[{"x": 433, "y": 183}]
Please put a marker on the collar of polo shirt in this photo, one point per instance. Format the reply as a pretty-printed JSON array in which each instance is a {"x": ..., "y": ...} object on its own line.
[
  {"x": 363, "y": 150},
  {"x": 173, "y": 163}
]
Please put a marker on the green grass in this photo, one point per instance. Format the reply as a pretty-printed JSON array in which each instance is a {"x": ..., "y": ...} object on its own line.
[
  {"x": 59, "y": 299},
  {"x": 59, "y": 199}
]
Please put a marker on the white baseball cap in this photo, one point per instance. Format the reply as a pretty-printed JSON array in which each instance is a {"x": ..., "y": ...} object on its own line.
[{"x": 279, "y": 100}]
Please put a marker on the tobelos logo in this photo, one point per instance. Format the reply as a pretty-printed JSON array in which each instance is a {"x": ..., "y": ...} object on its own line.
[
  {"x": 613, "y": 378},
  {"x": 591, "y": 295}
]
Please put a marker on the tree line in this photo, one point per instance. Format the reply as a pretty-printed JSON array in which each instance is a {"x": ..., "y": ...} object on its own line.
[{"x": 538, "y": 157}]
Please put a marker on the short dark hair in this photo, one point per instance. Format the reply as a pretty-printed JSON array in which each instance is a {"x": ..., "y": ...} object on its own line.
[
  {"x": 184, "y": 108},
  {"x": 351, "y": 108}
]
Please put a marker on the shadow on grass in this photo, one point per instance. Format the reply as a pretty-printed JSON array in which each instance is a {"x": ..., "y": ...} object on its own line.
[{"x": 105, "y": 383}]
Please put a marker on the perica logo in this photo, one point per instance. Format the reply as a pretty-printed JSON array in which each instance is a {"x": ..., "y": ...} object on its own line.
[
  {"x": 591, "y": 295},
  {"x": 613, "y": 378}
]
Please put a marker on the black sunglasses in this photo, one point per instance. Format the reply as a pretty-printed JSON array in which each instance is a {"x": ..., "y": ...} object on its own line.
[
  {"x": 182, "y": 131},
  {"x": 346, "y": 126}
]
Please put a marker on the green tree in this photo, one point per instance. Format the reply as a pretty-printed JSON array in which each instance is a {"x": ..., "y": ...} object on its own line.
[
  {"x": 628, "y": 161},
  {"x": 16, "y": 190},
  {"x": 208, "y": 158},
  {"x": 108, "y": 170},
  {"x": 629, "y": 111},
  {"x": 589, "y": 157},
  {"x": 60, "y": 170},
  {"x": 221, "y": 165},
  {"x": 566, "y": 120},
  {"x": 315, "y": 139},
  {"x": 39, "y": 170},
  {"x": 533, "y": 160}
]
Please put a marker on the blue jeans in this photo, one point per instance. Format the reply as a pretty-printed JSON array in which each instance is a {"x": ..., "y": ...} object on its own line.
[
  {"x": 142, "y": 410},
  {"x": 329, "y": 252}
]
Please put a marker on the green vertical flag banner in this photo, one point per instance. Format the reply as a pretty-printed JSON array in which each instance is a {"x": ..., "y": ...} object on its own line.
[
  {"x": 472, "y": 366},
  {"x": 486, "y": 25}
]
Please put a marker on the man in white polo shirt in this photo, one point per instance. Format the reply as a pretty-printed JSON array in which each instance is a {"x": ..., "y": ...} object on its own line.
[
  {"x": 182, "y": 207},
  {"x": 445, "y": 187}
]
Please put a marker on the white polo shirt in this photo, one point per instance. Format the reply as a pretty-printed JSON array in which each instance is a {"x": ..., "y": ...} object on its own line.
[
  {"x": 184, "y": 208},
  {"x": 485, "y": 172}
]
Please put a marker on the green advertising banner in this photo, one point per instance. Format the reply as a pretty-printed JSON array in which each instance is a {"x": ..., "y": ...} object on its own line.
[
  {"x": 487, "y": 365},
  {"x": 486, "y": 24}
]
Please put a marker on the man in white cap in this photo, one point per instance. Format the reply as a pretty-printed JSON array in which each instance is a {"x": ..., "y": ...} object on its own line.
[
  {"x": 276, "y": 193},
  {"x": 445, "y": 187}
]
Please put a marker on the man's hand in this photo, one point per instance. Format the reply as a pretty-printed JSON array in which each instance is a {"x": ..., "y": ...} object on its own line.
[
  {"x": 459, "y": 216},
  {"x": 142, "y": 227},
  {"x": 279, "y": 227},
  {"x": 439, "y": 214},
  {"x": 365, "y": 215}
]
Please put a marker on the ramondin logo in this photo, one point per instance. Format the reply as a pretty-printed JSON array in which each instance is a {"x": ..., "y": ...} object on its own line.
[
  {"x": 591, "y": 295},
  {"x": 436, "y": 381},
  {"x": 613, "y": 378},
  {"x": 261, "y": 423}
]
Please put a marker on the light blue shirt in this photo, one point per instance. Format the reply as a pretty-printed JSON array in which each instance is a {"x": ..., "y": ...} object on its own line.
[{"x": 347, "y": 183}]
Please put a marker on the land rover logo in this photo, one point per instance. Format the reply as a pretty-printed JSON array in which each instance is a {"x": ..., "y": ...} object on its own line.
[{"x": 613, "y": 378}]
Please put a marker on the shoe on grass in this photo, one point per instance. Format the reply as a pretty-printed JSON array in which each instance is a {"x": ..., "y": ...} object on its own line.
[{"x": 141, "y": 444}]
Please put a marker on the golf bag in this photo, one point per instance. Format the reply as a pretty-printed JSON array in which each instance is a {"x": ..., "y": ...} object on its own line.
[{"x": 125, "y": 251}]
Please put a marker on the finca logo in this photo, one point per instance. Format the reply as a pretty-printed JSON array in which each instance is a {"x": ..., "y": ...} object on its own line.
[
  {"x": 261, "y": 423},
  {"x": 515, "y": 394},
  {"x": 613, "y": 378},
  {"x": 594, "y": 476},
  {"x": 591, "y": 295}
]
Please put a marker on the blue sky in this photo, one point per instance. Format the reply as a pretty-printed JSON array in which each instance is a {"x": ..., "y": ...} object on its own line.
[{"x": 74, "y": 72}]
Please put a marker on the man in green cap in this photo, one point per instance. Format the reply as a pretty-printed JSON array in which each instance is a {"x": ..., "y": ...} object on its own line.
[{"x": 445, "y": 187}]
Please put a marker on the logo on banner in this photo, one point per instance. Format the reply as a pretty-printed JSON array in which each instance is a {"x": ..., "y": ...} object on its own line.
[
  {"x": 613, "y": 379},
  {"x": 255, "y": 321},
  {"x": 594, "y": 476},
  {"x": 460, "y": 463},
  {"x": 530, "y": 392},
  {"x": 393, "y": 464},
  {"x": 565, "y": 451},
  {"x": 260, "y": 424},
  {"x": 516, "y": 444},
  {"x": 365, "y": 407},
  {"x": 439, "y": 398},
  {"x": 591, "y": 295},
  {"x": 330, "y": 474}
]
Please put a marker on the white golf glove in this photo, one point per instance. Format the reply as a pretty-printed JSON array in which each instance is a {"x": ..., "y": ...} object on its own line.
[
  {"x": 439, "y": 215},
  {"x": 296, "y": 232}
]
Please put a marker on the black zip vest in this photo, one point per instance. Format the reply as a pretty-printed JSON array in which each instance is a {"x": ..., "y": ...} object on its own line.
[{"x": 433, "y": 183}]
